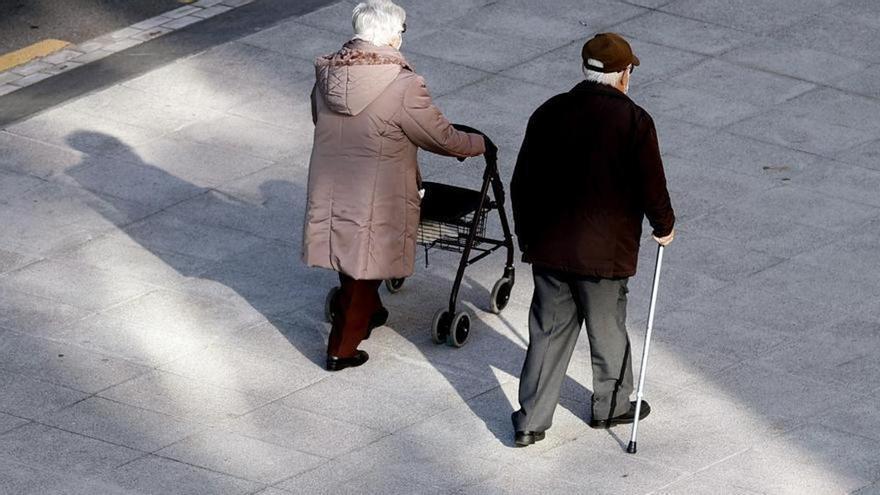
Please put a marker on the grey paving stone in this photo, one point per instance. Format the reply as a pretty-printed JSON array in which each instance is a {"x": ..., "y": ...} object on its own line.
[
  {"x": 92, "y": 55},
  {"x": 866, "y": 155},
  {"x": 694, "y": 105},
  {"x": 185, "y": 85},
  {"x": 772, "y": 466},
  {"x": 841, "y": 180},
  {"x": 836, "y": 107},
  {"x": 749, "y": 15},
  {"x": 864, "y": 82},
  {"x": 696, "y": 188},
  {"x": 872, "y": 489},
  {"x": 120, "y": 424},
  {"x": 718, "y": 259},
  {"x": 845, "y": 290},
  {"x": 393, "y": 465},
  {"x": 248, "y": 136},
  {"x": 183, "y": 398},
  {"x": 83, "y": 132},
  {"x": 683, "y": 33},
  {"x": 28, "y": 398},
  {"x": 836, "y": 31},
  {"x": 141, "y": 109},
  {"x": 186, "y": 314},
  {"x": 622, "y": 472},
  {"x": 63, "y": 364},
  {"x": 233, "y": 454},
  {"x": 795, "y": 60},
  {"x": 169, "y": 233},
  {"x": 263, "y": 67},
  {"x": 9, "y": 422},
  {"x": 297, "y": 40},
  {"x": 137, "y": 341},
  {"x": 336, "y": 17},
  {"x": 52, "y": 448},
  {"x": 538, "y": 479},
  {"x": 10, "y": 261},
  {"x": 27, "y": 156},
  {"x": 857, "y": 417},
  {"x": 425, "y": 10},
  {"x": 31, "y": 67},
  {"x": 374, "y": 408},
  {"x": 746, "y": 156},
  {"x": 185, "y": 163},
  {"x": 22, "y": 479},
  {"x": 542, "y": 29},
  {"x": 840, "y": 356},
  {"x": 290, "y": 109},
  {"x": 13, "y": 184},
  {"x": 717, "y": 77},
  {"x": 496, "y": 53},
  {"x": 851, "y": 253},
  {"x": 119, "y": 254},
  {"x": 443, "y": 77},
  {"x": 254, "y": 374},
  {"x": 158, "y": 476},
  {"x": 302, "y": 431},
  {"x": 62, "y": 282},
  {"x": 770, "y": 394},
  {"x": 292, "y": 343}
]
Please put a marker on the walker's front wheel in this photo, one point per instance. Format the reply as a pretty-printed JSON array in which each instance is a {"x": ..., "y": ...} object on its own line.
[
  {"x": 330, "y": 304},
  {"x": 440, "y": 326},
  {"x": 460, "y": 330},
  {"x": 501, "y": 295},
  {"x": 394, "y": 284}
]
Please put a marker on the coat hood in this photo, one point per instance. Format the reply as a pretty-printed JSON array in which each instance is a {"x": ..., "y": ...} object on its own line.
[{"x": 352, "y": 78}]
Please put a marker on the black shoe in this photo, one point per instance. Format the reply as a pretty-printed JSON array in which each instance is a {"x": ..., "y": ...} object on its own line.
[
  {"x": 625, "y": 418},
  {"x": 377, "y": 320},
  {"x": 526, "y": 438},
  {"x": 335, "y": 363}
]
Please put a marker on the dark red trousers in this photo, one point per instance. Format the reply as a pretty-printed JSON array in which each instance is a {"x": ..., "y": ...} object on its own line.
[{"x": 356, "y": 303}]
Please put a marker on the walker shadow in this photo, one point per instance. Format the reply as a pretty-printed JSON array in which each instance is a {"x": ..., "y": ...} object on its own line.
[{"x": 266, "y": 273}]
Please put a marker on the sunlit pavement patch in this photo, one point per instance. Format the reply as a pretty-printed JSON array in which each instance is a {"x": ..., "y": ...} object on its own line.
[{"x": 51, "y": 57}]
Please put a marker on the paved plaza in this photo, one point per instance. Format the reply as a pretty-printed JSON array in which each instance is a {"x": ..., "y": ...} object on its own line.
[{"x": 159, "y": 334}]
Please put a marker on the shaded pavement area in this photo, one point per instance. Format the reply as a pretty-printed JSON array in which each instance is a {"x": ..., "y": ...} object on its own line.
[{"x": 158, "y": 333}]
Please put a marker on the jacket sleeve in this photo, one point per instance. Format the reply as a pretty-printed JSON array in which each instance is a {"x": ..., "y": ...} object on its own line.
[
  {"x": 425, "y": 125},
  {"x": 520, "y": 197},
  {"x": 655, "y": 196}
]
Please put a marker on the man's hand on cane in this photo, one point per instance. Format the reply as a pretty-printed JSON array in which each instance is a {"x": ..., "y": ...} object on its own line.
[{"x": 665, "y": 241}]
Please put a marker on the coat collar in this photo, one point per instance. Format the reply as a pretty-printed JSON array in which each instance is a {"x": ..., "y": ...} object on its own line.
[{"x": 596, "y": 88}]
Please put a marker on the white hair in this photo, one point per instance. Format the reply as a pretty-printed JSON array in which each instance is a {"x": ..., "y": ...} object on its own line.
[
  {"x": 607, "y": 78},
  {"x": 378, "y": 21}
]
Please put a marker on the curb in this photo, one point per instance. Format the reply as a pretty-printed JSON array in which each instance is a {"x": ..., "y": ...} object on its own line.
[{"x": 73, "y": 56}]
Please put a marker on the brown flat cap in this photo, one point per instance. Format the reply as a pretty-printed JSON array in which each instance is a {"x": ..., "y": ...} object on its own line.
[{"x": 608, "y": 52}]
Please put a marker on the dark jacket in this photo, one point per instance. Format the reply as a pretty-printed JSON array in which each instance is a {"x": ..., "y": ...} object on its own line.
[{"x": 588, "y": 171}]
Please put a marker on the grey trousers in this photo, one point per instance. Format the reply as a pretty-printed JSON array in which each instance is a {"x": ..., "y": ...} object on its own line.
[{"x": 560, "y": 305}]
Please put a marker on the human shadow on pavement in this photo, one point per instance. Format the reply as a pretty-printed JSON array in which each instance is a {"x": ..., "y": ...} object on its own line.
[{"x": 216, "y": 237}]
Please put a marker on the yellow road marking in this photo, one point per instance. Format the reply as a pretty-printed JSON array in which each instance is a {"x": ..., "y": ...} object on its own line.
[{"x": 28, "y": 53}]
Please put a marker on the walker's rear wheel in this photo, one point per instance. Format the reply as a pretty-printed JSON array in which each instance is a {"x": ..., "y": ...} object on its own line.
[
  {"x": 501, "y": 295},
  {"x": 440, "y": 326},
  {"x": 459, "y": 330},
  {"x": 330, "y": 304},
  {"x": 394, "y": 284}
]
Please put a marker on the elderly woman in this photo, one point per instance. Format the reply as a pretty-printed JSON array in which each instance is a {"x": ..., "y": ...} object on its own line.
[{"x": 372, "y": 113}]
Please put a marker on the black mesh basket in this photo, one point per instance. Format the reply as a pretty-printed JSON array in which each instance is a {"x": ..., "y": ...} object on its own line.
[{"x": 448, "y": 214}]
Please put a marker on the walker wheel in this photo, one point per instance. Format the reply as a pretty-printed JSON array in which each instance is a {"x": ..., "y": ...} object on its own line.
[
  {"x": 440, "y": 326},
  {"x": 460, "y": 330},
  {"x": 501, "y": 295},
  {"x": 330, "y": 304},
  {"x": 394, "y": 284}
]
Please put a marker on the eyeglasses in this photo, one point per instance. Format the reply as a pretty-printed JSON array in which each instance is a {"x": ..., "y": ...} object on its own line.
[
  {"x": 404, "y": 28},
  {"x": 632, "y": 68}
]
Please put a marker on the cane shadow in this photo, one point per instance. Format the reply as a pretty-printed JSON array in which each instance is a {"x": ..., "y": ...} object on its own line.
[{"x": 265, "y": 273}]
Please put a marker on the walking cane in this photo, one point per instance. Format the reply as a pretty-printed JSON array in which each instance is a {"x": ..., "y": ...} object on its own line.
[{"x": 631, "y": 448}]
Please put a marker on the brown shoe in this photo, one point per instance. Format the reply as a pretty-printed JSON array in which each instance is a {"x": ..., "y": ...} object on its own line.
[{"x": 336, "y": 363}]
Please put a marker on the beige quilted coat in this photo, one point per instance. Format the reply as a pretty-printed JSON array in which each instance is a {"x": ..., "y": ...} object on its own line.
[{"x": 372, "y": 113}]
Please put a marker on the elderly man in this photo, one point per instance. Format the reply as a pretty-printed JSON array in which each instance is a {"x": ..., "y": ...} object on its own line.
[{"x": 588, "y": 171}]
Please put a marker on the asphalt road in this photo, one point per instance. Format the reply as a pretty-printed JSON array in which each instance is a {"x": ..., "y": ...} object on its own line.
[{"x": 24, "y": 22}]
